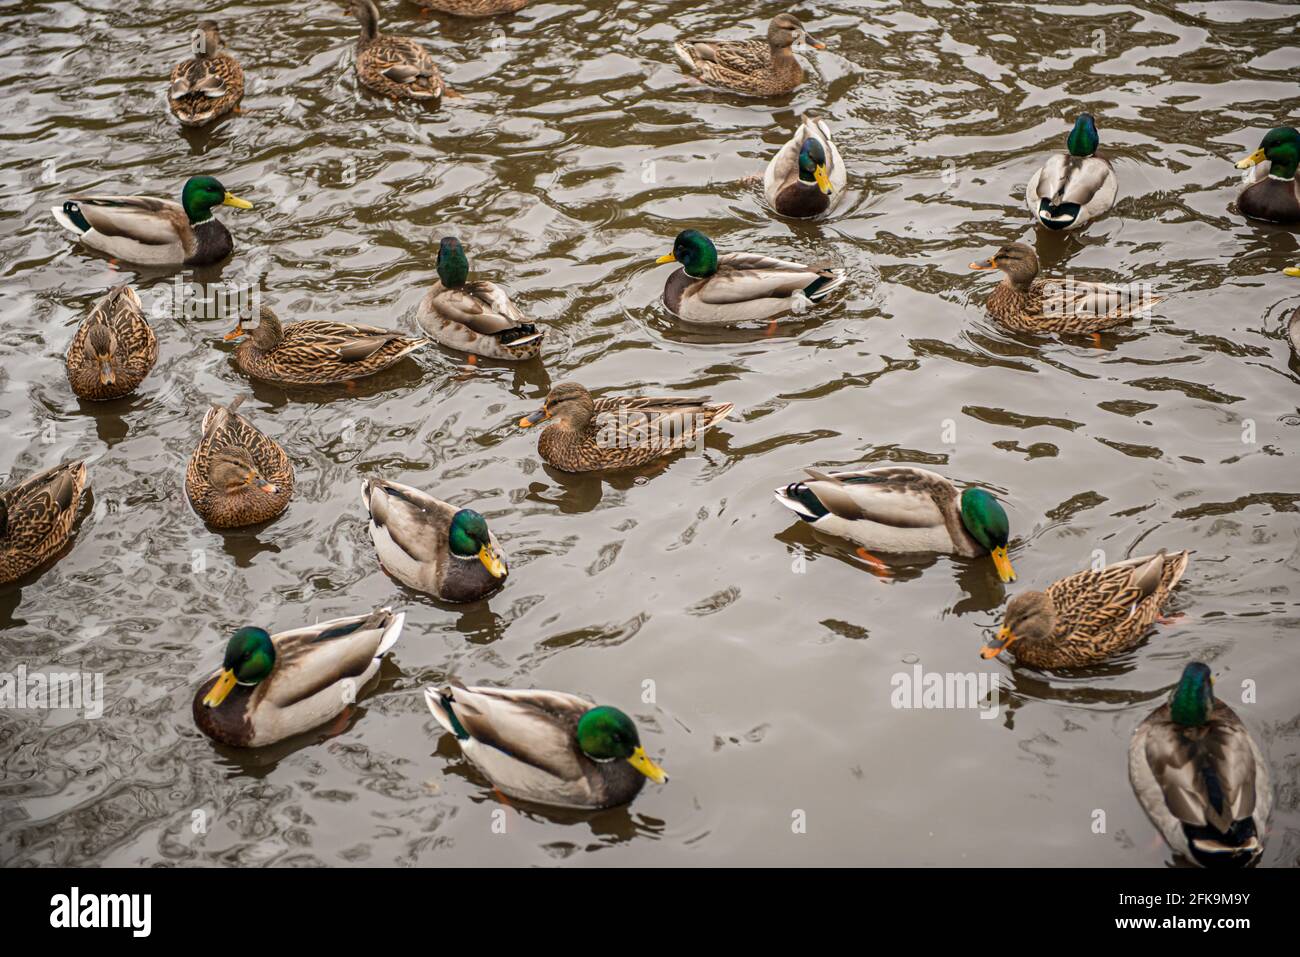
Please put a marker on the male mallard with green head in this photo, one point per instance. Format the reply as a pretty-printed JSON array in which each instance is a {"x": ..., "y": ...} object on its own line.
[
  {"x": 1200, "y": 776},
  {"x": 476, "y": 317},
  {"x": 1274, "y": 197},
  {"x": 36, "y": 518},
  {"x": 1075, "y": 187},
  {"x": 399, "y": 68},
  {"x": 547, "y": 747},
  {"x": 616, "y": 432},
  {"x": 209, "y": 84},
  {"x": 113, "y": 349},
  {"x": 272, "y": 687},
  {"x": 806, "y": 177},
  {"x": 237, "y": 474},
  {"x": 737, "y": 288},
  {"x": 431, "y": 546},
  {"x": 155, "y": 232},
  {"x": 317, "y": 351},
  {"x": 766, "y": 67},
  {"x": 1089, "y": 616},
  {"x": 1026, "y": 302},
  {"x": 901, "y": 509}
]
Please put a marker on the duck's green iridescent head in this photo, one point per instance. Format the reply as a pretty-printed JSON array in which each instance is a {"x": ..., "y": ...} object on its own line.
[
  {"x": 453, "y": 267},
  {"x": 1281, "y": 147},
  {"x": 469, "y": 538},
  {"x": 607, "y": 734},
  {"x": 1083, "y": 139},
  {"x": 986, "y": 520},
  {"x": 695, "y": 251},
  {"x": 812, "y": 164},
  {"x": 201, "y": 193},
  {"x": 250, "y": 656},
  {"x": 1193, "y": 699}
]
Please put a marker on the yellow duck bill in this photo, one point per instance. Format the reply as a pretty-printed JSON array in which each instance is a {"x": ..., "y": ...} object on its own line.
[
  {"x": 231, "y": 199},
  {"x": 225, "y": 684},
  {"x": 1251, "y": 160},
  {"x": 665, "y": 258},
  {"x": 492, "y": 562},
  {"x": 823, "y": 180},
  {"x": 1002, "y": 562},
  {"x": 641, "y": 761}
]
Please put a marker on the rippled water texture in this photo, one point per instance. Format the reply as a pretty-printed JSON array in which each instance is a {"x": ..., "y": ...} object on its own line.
[{"x": 577, "y": 151}]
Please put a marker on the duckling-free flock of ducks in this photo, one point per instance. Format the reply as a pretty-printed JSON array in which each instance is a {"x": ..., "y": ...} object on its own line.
[{"x": 1196, "y": 770}]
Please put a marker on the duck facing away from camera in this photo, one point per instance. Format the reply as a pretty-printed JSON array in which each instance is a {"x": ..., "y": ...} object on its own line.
[
  {"x": 1200, "y": 776},
  {"x": 1075, "y": 187}
]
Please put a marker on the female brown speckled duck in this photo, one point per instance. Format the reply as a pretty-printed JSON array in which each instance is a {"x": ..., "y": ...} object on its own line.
[
  {"x": 113, "y": 349},
  {"x": 209, "y": 84},
  {"x": 1089, "y": 616},
  {"x": 1025, "y": 302},
  {"x": 615, "y": 432},
  {"x": 36, "y": 518},
  {"x": 396, "y": 67},
  {"x": 474, "y": 8},
  {"x": 755, "y": 67},
  {"x": 317, "y": 351},
  {"x": 237, "y": 475}
]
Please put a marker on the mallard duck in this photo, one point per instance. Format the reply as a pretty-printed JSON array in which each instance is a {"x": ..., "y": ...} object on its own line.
[
  {"x": 237, "y": 475},
  {"x": 474, "y": 8},
  {"x": 1201, "y": 777},
  {"x": 616, "y": 432},
  {"x": 1293, "y": 324},
  {"x": 547, "y": 747},
  {"x": 806, "y": 177},
  {"x": 754, "y": 67},
  {"x": 36, "y": 518},
  {"x": 1075, "y": 187},
  {"x": 155, "y": 232},
  {"x": 396, "y": 67},
  {"x": 901, "y": 509},
  {"x": 735, "y": 288},
  {"x": 209, "y": 84},
  {"x": 272, "y": 687},
  {"x": 1275, "y": 195},
  {"x": 1089, "y": 616},
  {"x": 431, "y": 546},
  {"x": 477, "y": 316},
  {"x": 1025, "y": 302},
  {"x": 317, "y": 351},
  {"x": 113, "y": 349}
]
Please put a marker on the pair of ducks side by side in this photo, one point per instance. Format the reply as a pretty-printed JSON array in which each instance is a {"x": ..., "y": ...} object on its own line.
[{"x": 548, "y": 747}]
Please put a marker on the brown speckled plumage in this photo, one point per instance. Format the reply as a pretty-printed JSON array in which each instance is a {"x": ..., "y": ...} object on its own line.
[
  {"x": 765, "y": 67},
  {"x": 231, "y": 449},
  {"x": 615, "y": 432},
  {"x": 36, "y": 518},
  {"x": 394, "y": 66},
  {"x": 209, "y": 84},
  {"x": 1025, "y": 302},
  {"x": 1091, "y": 615},
  {"x": 113, "y": 349}
]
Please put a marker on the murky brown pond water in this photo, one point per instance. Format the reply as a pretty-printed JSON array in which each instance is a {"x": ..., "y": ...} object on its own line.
[{"x": 576, "y": 153}]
